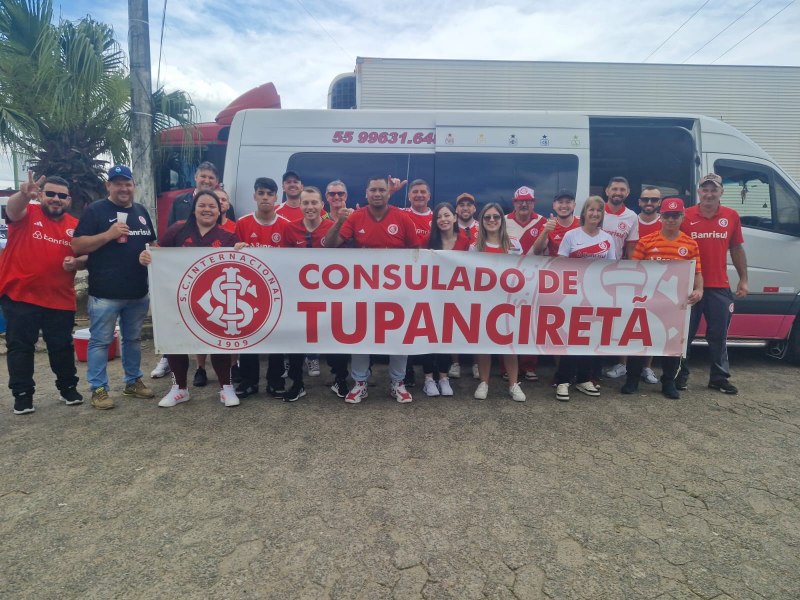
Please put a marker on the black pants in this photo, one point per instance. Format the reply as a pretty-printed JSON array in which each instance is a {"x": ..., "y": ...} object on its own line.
[
  {"x": 716, "y": 306},
  {"x": 24, "y": 321},
  {"x": 436, "y": 364},
  {"x": 338, "y": 364},
  {"x": 250, "y": 369},
  {"x": 669, "y": 368},
  {"x": 578, "y": 368}
]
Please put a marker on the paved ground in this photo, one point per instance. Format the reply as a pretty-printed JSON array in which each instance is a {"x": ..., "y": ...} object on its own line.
[{"x": 620, "y": 497}]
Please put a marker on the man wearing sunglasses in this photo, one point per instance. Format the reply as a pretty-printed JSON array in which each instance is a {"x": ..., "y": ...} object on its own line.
[
  {"x": 649, "y": 205},
  {"x": 336, "y": 195},
  {"x": 37, "y": 288}
]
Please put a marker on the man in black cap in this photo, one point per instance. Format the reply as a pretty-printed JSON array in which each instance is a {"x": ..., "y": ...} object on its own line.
[
  {"x": 292, "y": 188},
  {"x": 113, "y": 232}
]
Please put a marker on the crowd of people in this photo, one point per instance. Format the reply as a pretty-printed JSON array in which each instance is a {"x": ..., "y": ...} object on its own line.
[{"x": 46, "y": 246}]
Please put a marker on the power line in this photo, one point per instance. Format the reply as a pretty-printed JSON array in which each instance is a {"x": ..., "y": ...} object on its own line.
[
  {"x": 754, "y": 30},
  {"x": 349, "y": 55},
  {"x": 731, "y": 24},
  {"x": 161, "y": 42},
  {"x": 676, "y": 31}
]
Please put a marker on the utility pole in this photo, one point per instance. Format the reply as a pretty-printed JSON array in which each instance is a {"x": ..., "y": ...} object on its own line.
[{"x": 141, "y": 105}]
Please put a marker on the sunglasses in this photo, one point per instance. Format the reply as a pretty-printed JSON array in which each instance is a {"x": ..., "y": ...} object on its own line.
[
  {"x": 492, "y": 217},
  {"x": 336, "y": 193},
  {"x": 671, "y": 215},
  {"x": 654, "y": 200},
  {"x": 52, "y": 194}
]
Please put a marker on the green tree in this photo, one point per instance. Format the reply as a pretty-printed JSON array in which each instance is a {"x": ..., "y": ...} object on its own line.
[{"x": 65, "y": 96}]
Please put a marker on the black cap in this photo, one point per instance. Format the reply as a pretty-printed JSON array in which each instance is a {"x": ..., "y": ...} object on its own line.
[
  {"x": 563, "y": 193},
  {"x": 291, "y": 174}
]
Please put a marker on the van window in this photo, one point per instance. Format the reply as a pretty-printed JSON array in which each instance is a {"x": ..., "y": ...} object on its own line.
[
  {"x": 763, "y": 199},
  {"x": 355, "y": 169},
  {"x": 493, "y": 177}
]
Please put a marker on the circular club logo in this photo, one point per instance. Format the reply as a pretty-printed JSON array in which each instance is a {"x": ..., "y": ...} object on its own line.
[
  {"x": 723, "y": 222},
  {"x": 70, "y": 232},
  {"x": 534, "y": 232},
  {"x": 622, "y": 226},
  {"x": 142, "y": 220},
  {"x": 683, "y": 251},
  {"x": 233, "y": 303},
  {"x": 604, "y": 245},
  {"x": 392, "y": 229},
  {"x": 276, "y": 238}
]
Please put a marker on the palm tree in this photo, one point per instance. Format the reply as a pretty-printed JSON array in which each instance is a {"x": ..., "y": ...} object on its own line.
[{"x": 65, "y": 96}]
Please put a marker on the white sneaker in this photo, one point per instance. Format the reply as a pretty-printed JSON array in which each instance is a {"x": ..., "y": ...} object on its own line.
[
  {"x": 430, "y": 388},
  {"x": 648, "y": 376},
  {"x": 312, "y": 364},
  {"x": 357, "y": 393},
  {"x": 227, "y": 395},
  {"x": 617, "y": 371},
  {"x": 517, "y": 395},
  {"x": 174, "y": 396},
  {"x": 562, "y": 392},
  {"x": 455, "y": 371},
  {"x": 400, "y": 393},
  {"x": 444, "y": 387},
  {"x": 482, "y": 391},
  {"x": 475, "y": 373},
  {"x": 162, "y": 368},
  {"x": 588, "y": 388}
]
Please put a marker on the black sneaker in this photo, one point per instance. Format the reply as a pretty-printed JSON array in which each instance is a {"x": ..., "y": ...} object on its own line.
[
  {"x": 340, "y": 388},
  {"x": 276, "y": 391},
  {"x": 244, "y": 389},
  {"x": 200, "y": 378},
  {"x": 725, "y": 386},
  {"x": 682, "y": 381},
  {"x": 670, "y": 390},
  {"x": 71, "y": 397},
  {"x": 295, "y": 392},
  {"x": 236, "y": 374},
  {"x": 23, "y": 405},
  {"x": 630, "y": 387}
]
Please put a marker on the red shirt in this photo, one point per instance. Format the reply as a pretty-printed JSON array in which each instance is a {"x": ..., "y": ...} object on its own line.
[
  {"x": 526, "y": 234},
  {"x": 395, "y": 230},
  {"x": 293, "y": 213},
  {"x": 471, "y": 232},
  {"x": 462, "y": 243},
  {"x": 715, "y": 236},
  {"x": 250, "y": 231},
  {"x": 422, "y": 222},
  {"x": 555, "y": 237},
  {"x": 648, "y": 228},
  {"x": 229, "y": 226},
  {"x": 297, "y": 236},
  {"x": 656, "y": 247},
  {"x": 31, "y": 268}
]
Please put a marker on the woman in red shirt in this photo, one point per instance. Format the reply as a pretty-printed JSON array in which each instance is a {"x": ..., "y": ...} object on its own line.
[
  {"x": 493, "y": 237},
  {"x": 200, "y": 230}
]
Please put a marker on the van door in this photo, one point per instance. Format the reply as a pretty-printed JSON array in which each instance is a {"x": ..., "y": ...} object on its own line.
[{"x": 769, "y": 208}]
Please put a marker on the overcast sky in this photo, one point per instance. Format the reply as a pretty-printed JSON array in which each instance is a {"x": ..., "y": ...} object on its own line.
[{"x": 218, "y": 49}]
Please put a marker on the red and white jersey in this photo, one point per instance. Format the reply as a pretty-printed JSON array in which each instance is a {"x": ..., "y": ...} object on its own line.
[
  {"x": 648, "y": 228},
  {"x": 715, "y": 236},
  {"x": 555, "y": 237},
  {"x": 267, "y": 235},
  {"x": 229, "y": 226},
  {"x": 622, "y": 227},
  {"x": 31, "y": 267},
  {"x": 515, "y": 249},
  {"x": 422, "y": 222},
  {"x": 298, "y": 236},
  {"x": 394, "y": 230},
  {"x": 579, "y": 244},
  {"x": 525, "y": 234}
]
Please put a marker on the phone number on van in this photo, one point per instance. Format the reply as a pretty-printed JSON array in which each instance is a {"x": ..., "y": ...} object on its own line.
[{"x": 383, "y": 137}]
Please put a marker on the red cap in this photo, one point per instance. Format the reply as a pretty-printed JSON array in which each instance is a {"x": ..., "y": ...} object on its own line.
[
  {"x": 672, "y": 205},
  {"x": 524, "y": 193}
]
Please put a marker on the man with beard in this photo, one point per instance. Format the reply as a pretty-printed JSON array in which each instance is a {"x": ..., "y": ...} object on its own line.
[
  {"x": 292, "y": 188},
  {"x": 37, "y": 291}
]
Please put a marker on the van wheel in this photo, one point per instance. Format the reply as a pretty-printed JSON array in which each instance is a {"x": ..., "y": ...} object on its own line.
[{"x": 793, "y": 351}]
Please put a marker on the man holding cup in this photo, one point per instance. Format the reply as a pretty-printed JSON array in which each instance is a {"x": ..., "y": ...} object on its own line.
[{"x": 113, "y": 232}]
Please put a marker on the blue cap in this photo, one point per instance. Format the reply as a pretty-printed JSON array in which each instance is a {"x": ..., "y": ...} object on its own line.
[{"x": 120, "y": 171}]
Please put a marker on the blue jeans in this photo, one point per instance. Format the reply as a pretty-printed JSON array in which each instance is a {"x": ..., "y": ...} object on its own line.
[
  {"x": 103, "y": 314},
  {"x": 359, "y": 367}
]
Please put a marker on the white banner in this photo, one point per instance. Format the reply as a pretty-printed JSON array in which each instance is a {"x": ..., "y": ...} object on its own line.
[{"x": 299, "y": 300}]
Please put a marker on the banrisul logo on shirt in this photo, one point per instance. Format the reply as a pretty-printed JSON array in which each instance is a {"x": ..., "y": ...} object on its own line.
[{"x": 230, "y": 300}]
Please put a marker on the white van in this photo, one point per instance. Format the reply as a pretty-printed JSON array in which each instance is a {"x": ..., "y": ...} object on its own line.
[{"x": 491, "y": 153}]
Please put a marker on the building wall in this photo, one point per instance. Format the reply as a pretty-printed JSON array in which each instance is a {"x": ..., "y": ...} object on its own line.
[{"x": 761, "y": 101}]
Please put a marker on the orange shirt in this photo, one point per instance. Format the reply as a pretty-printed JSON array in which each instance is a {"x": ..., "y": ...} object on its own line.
[{"x": 656, "y": 247}]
